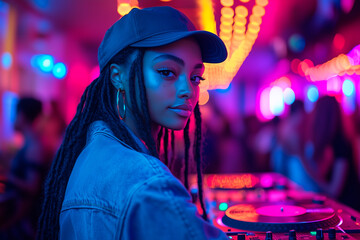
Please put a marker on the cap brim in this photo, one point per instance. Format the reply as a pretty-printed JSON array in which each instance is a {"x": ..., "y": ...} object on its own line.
[{"x": 213, "y": 49}]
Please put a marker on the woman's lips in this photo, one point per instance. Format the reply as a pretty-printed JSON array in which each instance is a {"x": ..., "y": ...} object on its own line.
[{"x": 181, "y": 112}]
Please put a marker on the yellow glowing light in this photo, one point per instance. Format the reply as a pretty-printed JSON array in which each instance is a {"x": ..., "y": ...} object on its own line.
[
  {"x": 206, "y": 15},
  {"x": 241, "y": 11},
  {"x": 262, "y": 3},
  {"x": 165, "y": 0},
  {"x": 241, "y": 181},
  {"x": 253, "y": 28},
  {"x": 255, "y": 19},
  {"x": 258, "y": 11},
  {"x": 225, "y": 37},
  {"x": 203, "y": 98},
  {"x": 251, "y": 36},
  {"x": 226, "y": 21},
  {"x": 239, "y": 29},
  {"x": 227, "y": 12},
  {"x": 227, "y": 3},
  {"x": 123, "y": 8},
  {"x": 240, "y": 21},
  {"x": 226, "y": 28},
  {"x": 238, "y": 37}
]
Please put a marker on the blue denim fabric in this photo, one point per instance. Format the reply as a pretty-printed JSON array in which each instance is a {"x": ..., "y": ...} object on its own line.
[{"x": 115, "y": 192}]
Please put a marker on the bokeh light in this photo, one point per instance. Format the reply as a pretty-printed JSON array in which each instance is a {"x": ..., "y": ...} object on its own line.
[
  {"x": 333, "y": 85},
  {"x": 339, "y": 41},
  {"x": 348, "y": 87},
  {"x": 6, "y": 60},
  {"x": 265, "y": 112},
  {"x": 223, "y": 206},
  {"x": 59, "y": 70},
  {"x": 289, "y": 96},
  {"x": 296, "y": 43},
  {"x": 124, "y": 8},
  {"x": 312, "y": 93},
  {"x": 276, "y": 101},
  {"x": 45, "y": 62}
]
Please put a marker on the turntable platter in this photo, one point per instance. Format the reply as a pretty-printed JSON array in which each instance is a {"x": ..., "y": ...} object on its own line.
[{"x": 280, "y": 217}]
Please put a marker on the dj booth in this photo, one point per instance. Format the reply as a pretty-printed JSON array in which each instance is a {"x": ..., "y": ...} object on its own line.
[{"x": 270, "y": 206}]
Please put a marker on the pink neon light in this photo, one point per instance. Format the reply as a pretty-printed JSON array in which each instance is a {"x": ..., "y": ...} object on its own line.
[
  {"x": 265, "y": 104},
  {"x": 333, "y": 85}
]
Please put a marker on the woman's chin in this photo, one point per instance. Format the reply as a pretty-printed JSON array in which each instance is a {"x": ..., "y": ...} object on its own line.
[{"x": 179, "y": 125}]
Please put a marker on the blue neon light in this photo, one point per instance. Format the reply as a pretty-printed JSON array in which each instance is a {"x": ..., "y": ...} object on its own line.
[
  {"x": 59, "y": 70},
  {"x": 289, "y": 96},
  {"x": 6, "y": 60},
  {"x": 348, "y": 87},
  {"x": 313, "y": 94}
]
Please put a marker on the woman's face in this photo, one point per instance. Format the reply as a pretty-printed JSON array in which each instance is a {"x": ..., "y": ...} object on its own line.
[{"x": 172, "y": 74}]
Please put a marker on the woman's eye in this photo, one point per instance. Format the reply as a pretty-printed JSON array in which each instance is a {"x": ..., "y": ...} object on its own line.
[
  {"x": 196, "y": 79},
  {"x": 166, "y": 73}
]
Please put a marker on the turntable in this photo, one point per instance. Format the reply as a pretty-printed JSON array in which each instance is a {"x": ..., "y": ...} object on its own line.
[{"x": 269, "y": 206}]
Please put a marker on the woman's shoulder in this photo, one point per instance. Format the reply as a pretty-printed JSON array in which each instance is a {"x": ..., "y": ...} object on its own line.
[{"x": 108, "y": 171}]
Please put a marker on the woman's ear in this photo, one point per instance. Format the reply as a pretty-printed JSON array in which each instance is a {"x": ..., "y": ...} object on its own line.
[{"x": 118, "y": 75}]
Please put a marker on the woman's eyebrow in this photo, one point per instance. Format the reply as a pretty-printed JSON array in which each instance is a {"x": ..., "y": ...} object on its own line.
[
  {"x": 171, "y": 57},
  {"x": 176, "y": 59}
]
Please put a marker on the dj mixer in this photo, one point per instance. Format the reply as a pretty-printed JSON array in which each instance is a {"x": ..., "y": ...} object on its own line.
[{"x": 269, "y": 206}]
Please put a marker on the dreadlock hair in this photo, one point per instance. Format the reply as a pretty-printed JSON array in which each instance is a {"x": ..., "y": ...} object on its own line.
[
  {"x": 96, "y": 103},
  {"x": 159, "y": 136},
  {"x": 173, "y": 145},
  {"x": 166, "y": 143},
  {"x": 197, "y": 156},
  {"x": 187, "y": 147}
]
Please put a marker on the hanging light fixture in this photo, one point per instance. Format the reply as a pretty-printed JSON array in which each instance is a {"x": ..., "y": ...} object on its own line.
[{"x": 238, "y": 30}]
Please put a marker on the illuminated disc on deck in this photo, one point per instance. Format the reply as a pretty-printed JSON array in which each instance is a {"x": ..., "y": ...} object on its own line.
[
  {"x": 280, "y": 218},
  {"x": 281, "y": 211}
]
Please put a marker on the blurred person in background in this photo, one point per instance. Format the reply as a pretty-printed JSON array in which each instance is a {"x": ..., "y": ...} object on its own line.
[
  {"x": 53, "y": 126},
  {"x": 20, "y": 203},
  {"x": 289, "y": 140}
]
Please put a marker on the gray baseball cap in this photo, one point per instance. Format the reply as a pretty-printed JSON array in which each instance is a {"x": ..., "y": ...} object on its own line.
[{"x": 154, "y": 27}]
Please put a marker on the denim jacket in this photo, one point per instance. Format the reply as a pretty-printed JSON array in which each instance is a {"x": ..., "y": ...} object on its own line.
[{"x": 115, "y": 192}]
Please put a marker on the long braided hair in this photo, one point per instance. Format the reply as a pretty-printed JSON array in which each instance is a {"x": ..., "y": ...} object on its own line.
[{"x": 97, "y": 103}]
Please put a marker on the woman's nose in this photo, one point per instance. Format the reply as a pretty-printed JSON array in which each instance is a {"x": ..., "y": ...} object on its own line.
[{"x": 185, "y": 88}]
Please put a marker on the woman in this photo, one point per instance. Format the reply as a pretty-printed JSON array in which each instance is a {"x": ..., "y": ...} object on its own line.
[{"x": 106, "y": 181}]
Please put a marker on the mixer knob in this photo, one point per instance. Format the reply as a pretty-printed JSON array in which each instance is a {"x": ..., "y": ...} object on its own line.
[
  {"x": 268, "y": 235},
  {"x": 292, "y": 235},
  {"x": 332, "y": 233},
  {"x": 241, "y": 236},
  {"x": 319, "y": 234}
]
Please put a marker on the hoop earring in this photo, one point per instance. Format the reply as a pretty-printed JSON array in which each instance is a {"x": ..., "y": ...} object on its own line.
[{"x": 121, "y": 116}]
